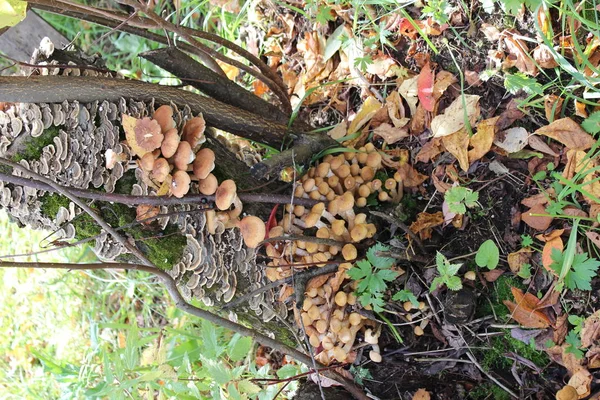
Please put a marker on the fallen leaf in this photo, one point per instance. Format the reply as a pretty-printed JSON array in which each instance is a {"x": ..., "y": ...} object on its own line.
[
  {"x": 550, "y": 245},
  {"x": 472, "y": 78},
  {"x": 390, "y": 134},
  {"x": 590, "y": 331},
  {"x": 425, "y": 221},
  {"x": 408, "y": 90},
  {"x": 425, "y": 87},
  {"x": 546, "y": 237},
  {"x": 536, "y": 143},
  {"x": 421, "y": 394},
  {"x": 384, "y": 66},
  {"x": 512, "y": 140},
  {"x": 339, "y": 131},
  {"x": 511, "y": 114},
  {"x": 519, "y": 53},
  {"x": 410, "y": 176},
  {"x": 594, "y": 237},
  {"x": 490, "y": 32},
  {"x": 580, "y": 110},
  {"x": 453, "y": 118},
  {"x": 481, "y": 142},
  {"x": 523, "y": 310},
  {"x": 517, "y": 259},
  {"x": 543, "y": 56},
  {"x": 443, "y": 80},
  {"x": 430, "y": 150},
  {"x": 491, "y": 276},
  {"x": 368, "y": 109},
  {"x": 569, "y": 133},
  {"x": 573, "y": 211},
  {"x": 395, "y": 109},
  {"x": 457, "y": 144},
  {"x": 540, "y": 198},
  {"x": 285, "y": 293},
  {"x": 537, "y": 222},
  {"x": 553, "y": 106},
  {"x": 441, "y": 187},
  {"x": 318, "y": 281}
]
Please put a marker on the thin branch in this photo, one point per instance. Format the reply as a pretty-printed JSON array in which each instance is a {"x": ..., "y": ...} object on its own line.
[
  {"x": 151, "y": 200},
  {"x": 109, "y": 229},
  {"x": 180, "y": 303}
]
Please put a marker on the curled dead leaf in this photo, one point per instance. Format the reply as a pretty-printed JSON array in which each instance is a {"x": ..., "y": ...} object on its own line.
[
  {"x": 523, "y": 310},
  {"x": 368, "y": 109},
  {"x": 553, "y": 106},
  {"x": 517, "y": 259},
  {"x": 454, "y": 117},
  {"x": 590, "y": 332},
  {"x": 457, "y": 144},
  {"x": 550, "y": 245},
  {"x": 430, "y": 150},
  {"x": 389, "y": 133},
  {"x": 410, "y": 176},
  {"x": 569, "y": 133},
  {"x": 534, "y": 218},
  {"x": 425, "y": 221},
  {"x": 481, "y": 142},
  {"x": 512, "y": 139}
]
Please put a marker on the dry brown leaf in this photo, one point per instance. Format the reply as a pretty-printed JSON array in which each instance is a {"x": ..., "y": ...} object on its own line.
[
  {"x": 339, "y": 131},
  {"x": 390, "y": 134},
  {"x": 421, "y": 394},
  {"x": 430, "y": 150},
  {"x": 285, "y": 292},
  {"x": 519, "y": 54},
  {"x": 425, "y": 221},
  {"x": 590, "y": 332},
  {"x": 368, "y": 109},
  {"x": 580, "y": 110},
  {"x": 453, "y": 118},
  {"x": 481, "y": 142},
  {"x": 593, "y": 357},
  {"x": 540, "y": 198},
  {"x": 512, "y": 139},
  {"x": 472, "y": 78},
  {"x": 594, "y": 237},
  {"x": 550, "y": 245},
  {"x": 517, "y": 259},
  {"x": 443, "y": 80},
  {"x": 490, "y": 32},
  {"x": 546, "y": 237},
  {"x": 395, "y": 108},
  {"x": 511, "y": 114},
  {"x": 553, "y": 106},
  {"x": 318, "y": 281},
  {"x": 543, "y": 56},
  {"x": 536, "y": 143},
  {"x": 573, "y": 211},
  {"x": 384, "y": 66},
  {"x": 537, "y": 222},
  {"x": 457, "y": 144},
  {"x": 491, "y": 276},
  {"x": 419, "y": 120},
  {"x": 569, "y": 133},
  {"x": 523, "y": 310},
  {"x": 441, "y": 187},
  {"x": 410, "y": 176}
]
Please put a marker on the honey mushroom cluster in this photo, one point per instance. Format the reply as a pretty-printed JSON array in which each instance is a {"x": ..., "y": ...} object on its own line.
[
  {"x": 343, "y": 181},
  {"x": 167, "y": 159}
]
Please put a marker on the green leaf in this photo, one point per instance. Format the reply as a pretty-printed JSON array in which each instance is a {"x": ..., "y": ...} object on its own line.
[
  {"x": 379, "y": 261},
  {"x": 334, "y": 42},
  {"x": 454, "y": 283},
  {"x": 437, "y": 282},
  {"x": 526, "y": 240},
  {"x": 582, "y": 272},
  {"x": 12, "y": 12},
  {"x": 517, "y": 82},
  {"x": 218, "y": 371},
  {"x": 488, "y": 255},
  {"x": 361, "y": 270},
  {"x": 387, "y": 275},
  {"x": 406, "y": 295},
  {"x": 324, "y": 15},
  {"x": 287, "y": 371},
  {"x": 248, "y": 387},
  {"x": 239, "y": 347},
  {"x": 211, "y": 348},
  {"x": 592, "y": 123},
  {"x": 574, "y": 344}
]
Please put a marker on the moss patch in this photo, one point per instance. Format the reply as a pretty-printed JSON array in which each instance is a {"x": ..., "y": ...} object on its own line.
[
  {"x": 163, "y": 248},
  {"x": 488, "y": 391},
  {"x": 493, "y": 357},
  {"x": 31, "y": 148}
]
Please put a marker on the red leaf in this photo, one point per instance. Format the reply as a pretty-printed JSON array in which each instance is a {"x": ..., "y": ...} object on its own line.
[
  {"x": 272, "y": 221},
  {"x": 425, "y": 87}
]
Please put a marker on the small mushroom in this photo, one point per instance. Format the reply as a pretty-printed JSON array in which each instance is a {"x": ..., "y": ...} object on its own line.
[
  {"x": 568, "y": 392},
  {"x": 160, "y": 169},
  {"x": 208, "y": 186},
  {"x": 183, "y": 156},
  {"x": 225, "y": 194},
  {"x": 204, "y": 163},
  {"x": 164, "y": 117},
  {"x": 253, "y": 230},
  {"x": 170, "y": 143},
  {"x": 148, "y": 134},
  {"x": 193, "y": 131},
  {"x": 180, "y": 184}
]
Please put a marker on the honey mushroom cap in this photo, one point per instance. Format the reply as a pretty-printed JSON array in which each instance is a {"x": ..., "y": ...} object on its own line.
[
  {"x": 349, "y": 252},
  {"x": 147, "y": 161},
  {"x": 193, "y": 131},
  {"x": 253, "y": 231},
  {"x": 164, "y": 116},
  {"x": 204, "y": 163},
  {"x": 160, "y": 169},
  {"x": 170, "y": 143},
  {"x": 568, "y": 392},
  {"x": 180, "y": 184},
  {"x": 225, "y": 194},
  {"x": 183, "y": 156},
  {"x": 209, "y": 185},
  {"x": 148, "y": 134}
]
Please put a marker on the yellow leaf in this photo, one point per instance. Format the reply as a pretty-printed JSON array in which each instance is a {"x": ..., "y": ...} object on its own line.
[
  {"x": 364, "y": 115},
  {"x": 481, "y": 142},
  {"x": 12, "y": 12},
  {"x": 457, "y": 144},
  {"x": 453, "y": 118},
  {"x": 569, "y": 133}
]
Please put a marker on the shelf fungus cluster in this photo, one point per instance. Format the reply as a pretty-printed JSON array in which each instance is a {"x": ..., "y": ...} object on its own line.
[{"x": 345, "y": 182}]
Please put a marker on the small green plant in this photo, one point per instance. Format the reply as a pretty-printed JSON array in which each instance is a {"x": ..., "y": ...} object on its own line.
[
  {"x": 447, "y": 273},
  {"x": 592, "y": 123},
  {"x": 439, "y": 10},
  {"x": 488, "y": 255},
  {"x": 373, "y": 275},
  {"x": 406, "y": 295},
  {"x": 526, "y": 240},
  {"x": 574, "y": 345},
  {"x": 360, "y": 373},
  {"x": 460, "y": 198},
  {"x": 575, "y": 271}
]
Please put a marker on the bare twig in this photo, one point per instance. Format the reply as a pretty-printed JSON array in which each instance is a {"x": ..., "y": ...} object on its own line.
[{"x": 150, "y": 200}]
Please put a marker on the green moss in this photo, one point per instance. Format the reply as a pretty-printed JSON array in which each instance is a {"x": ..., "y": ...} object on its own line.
[
  {"x": 32, "y": 147},
  {"x": 494, "y": 359},
  {"x": 163, "y": 248},
  {"x": 501, "y": 291},
  {"x": 488, "y": 391},
  {"x": 125, "y": 183}
]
